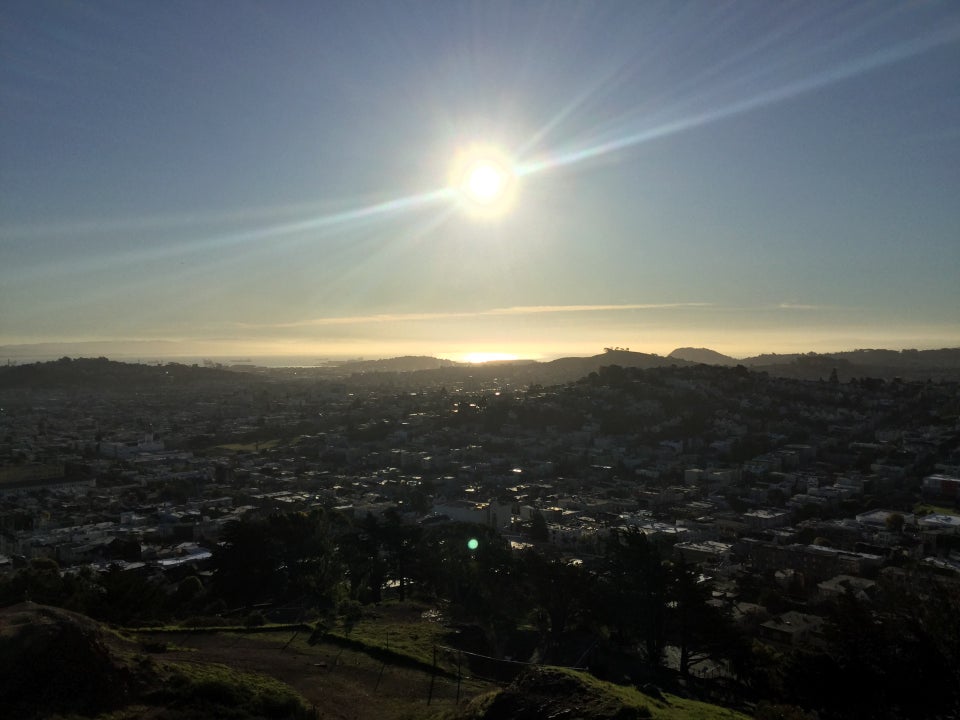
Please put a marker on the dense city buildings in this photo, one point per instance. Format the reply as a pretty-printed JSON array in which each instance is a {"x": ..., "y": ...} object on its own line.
[
  {"x": 688, "y": 455},
  {"x": 781, "y": 495}
]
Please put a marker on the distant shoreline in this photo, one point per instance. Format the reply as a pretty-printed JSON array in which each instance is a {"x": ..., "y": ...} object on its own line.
[{"x": 270, "y": 361}]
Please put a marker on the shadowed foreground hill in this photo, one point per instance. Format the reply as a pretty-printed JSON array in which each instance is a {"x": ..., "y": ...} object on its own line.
[
  {"x": 547, "y": 694},
  {"x": 54, "y": 663},
  {"x": 553, "y": 693},
  {"x": 52, "y": 660}
]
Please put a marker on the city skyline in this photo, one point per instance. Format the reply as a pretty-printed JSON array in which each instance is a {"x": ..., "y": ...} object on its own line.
[{"x": 288, "y": 179}]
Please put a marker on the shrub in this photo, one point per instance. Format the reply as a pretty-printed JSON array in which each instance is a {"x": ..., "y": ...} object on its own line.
[{"x": 255, "y": 619}]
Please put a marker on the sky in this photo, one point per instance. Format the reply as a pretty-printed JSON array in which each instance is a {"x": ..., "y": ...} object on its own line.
[{"x": 249, "y": 179}]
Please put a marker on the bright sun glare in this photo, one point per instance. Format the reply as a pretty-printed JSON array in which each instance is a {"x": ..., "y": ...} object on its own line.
[
  {"x": 482, "y": 357},
  {"x": 485, "y": 183},
  {"x": 484, "y": 180}
]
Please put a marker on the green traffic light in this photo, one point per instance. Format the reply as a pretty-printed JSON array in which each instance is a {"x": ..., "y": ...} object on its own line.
[{"x": 473, "y": 543}]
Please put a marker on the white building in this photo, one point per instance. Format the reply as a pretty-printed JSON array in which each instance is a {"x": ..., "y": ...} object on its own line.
[{"x": 493, "y": 514}]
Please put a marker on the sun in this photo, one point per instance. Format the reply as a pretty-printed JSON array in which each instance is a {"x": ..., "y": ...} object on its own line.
[
  {"x": 484, "y": 183},
  {"x": 484, "y": 180},
  {"x": 483, "y": 357}
]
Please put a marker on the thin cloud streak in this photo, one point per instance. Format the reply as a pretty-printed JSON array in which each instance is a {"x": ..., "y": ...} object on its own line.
[
  {"x": 494, "y": 312},
  {"x": 801, "y": 306}
]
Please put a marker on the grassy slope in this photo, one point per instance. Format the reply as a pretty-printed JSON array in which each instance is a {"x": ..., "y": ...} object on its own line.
[
  {"x": 674, "y": 708},
  {"x": 558, "y": 692},
  {"x": 380, "y": 667}
]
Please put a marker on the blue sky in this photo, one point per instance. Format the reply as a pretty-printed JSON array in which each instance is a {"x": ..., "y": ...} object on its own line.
[{"x": 247, "y": 179}]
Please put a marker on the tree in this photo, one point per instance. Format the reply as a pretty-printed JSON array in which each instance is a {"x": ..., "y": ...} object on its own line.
[
  {"x": 557, "y": 592},
  {"x": 246, "y": 563},
  {"x": 896, "y": 657},
  {"x": 635, "y": 591},
  {"x": 538, "y": 527},
  {"x": 398, "y": 548},
  {"x": 359, "y": 548},
  {"x": 40, "y": 582},
  {"x": 483, "y": 582},
  {"x": 286, "y": 555},
  {"x": 701, "y": 630},
  {"x": 307, "y": 555},
  {"x": 894, "y": 522},
  {"x": 129, "y": 597}
]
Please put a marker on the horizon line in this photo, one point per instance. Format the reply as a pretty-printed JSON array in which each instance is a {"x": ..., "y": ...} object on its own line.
[{"x": 352, "y": 357}]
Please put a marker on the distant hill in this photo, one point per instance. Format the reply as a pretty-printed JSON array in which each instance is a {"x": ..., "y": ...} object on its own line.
[
  {"x": 941, "y": 364},
  {"x": 771, "y": 359},
  {"x": 943, "y": 358},
  {"x": 517, "y": 372},
  {"x": 703, "y": 355},
  {"x": 407, "y": 363},
  {"x": 101, "y": 373},
  {"x": 104, "y": 374},
  {"x": 888, "y": 364},
  {"x": 553, "y": 372},
  {"x": 573, "y": 368}
]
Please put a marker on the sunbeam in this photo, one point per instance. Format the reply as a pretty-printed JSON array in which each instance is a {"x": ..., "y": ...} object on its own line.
[
  {"x": 484, "y": 176},
  {"x": 453, "y": 195},
  {"x": 845, "y": 71},
  {"x": 217, "y": 241}
]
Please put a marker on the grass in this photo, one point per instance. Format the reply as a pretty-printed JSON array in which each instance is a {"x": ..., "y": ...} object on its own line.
[
  {"x": 396, "y": 627},
  {"x": 927, "y": 509},
  {"x": 189, "y": 690},
  {"x": 394, "y": 633},
  {"x": 673, "y": 708},
  {"x": 683, "y": 709},
  {"x": 130, "y": 712},
  {"x": 602, "y": 699},
  {"x": 198, "y": 629},
  {"x": 210, "y": 687},
  {"x": 589, "y": 697},
  {"x": 350, "y": 675}
]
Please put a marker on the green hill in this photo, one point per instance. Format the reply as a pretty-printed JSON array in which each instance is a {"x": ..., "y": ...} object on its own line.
[{"x": 555, "y": 693}]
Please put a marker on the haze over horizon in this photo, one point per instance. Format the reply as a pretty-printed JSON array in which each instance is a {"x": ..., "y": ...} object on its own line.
[{"x": 530, "y": 179}]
